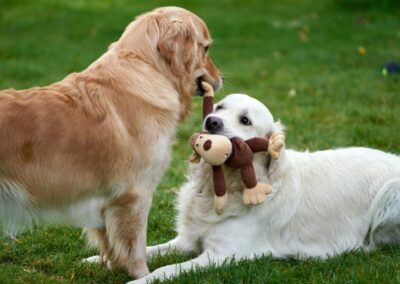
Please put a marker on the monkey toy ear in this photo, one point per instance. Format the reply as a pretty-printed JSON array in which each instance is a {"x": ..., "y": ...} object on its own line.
[
  {"x": 195, "y": 158},
  {"x": 193, "y": 139}
]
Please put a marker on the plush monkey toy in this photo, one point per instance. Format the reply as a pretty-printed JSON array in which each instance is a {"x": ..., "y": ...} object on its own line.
[{"x": 218, "y": 150}]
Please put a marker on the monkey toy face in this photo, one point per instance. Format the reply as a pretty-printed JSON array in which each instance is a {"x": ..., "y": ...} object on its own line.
[{"x": 214, "y": 149}]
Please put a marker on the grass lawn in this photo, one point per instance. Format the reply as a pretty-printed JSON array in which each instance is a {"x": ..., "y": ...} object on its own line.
[{"x": 301, "y": 58}]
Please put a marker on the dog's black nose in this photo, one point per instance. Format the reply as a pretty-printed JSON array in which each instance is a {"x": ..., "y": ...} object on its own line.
[{"x": 214, "y": 124}]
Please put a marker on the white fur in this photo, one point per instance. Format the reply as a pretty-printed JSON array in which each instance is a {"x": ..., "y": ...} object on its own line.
[{"x": 323, "y": 203}]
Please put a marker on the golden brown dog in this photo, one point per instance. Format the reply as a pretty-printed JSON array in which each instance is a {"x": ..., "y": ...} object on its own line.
[{"x": 90, "y": 150}]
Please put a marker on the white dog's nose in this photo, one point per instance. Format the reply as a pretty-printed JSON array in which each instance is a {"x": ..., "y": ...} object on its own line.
[{"x": 214, "y": 124}]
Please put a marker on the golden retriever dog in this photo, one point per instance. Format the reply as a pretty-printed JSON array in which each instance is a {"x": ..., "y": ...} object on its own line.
[{"x": 90, "y": 149}]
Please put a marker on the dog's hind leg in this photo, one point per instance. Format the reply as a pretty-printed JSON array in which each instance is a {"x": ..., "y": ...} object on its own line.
[
  {"x": 385, "y": 215},
  {"x": 98, "y": 238}
]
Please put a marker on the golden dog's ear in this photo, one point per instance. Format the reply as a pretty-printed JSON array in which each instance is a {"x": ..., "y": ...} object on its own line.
[{"x": 176, "y": 44}]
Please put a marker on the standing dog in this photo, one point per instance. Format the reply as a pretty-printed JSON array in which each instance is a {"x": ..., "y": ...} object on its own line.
[
  {"x": 322, "y": 203},
  {"x": 90, "y": 149}
]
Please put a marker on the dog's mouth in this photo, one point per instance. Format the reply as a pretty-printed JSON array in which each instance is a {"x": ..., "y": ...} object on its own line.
[
  {"x": 222, "y": 132},
  {"x": 200, "y": 90}
]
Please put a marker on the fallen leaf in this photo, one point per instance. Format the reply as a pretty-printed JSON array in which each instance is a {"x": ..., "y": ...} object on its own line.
[{"x": 361, "y": 50}]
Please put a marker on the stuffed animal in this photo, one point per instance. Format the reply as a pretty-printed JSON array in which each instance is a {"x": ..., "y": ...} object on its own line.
[{"x": 218, "y": 150}]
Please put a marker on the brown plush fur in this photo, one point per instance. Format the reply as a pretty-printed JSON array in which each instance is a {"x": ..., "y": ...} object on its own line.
[{"x": 106, "y": 131}]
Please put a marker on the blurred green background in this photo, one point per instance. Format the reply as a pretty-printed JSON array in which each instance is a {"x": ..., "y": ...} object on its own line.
[{"x": 315, "y": 64}]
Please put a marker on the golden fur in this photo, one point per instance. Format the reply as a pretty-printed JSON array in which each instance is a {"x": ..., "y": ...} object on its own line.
[{"x": 104, "y": 134}]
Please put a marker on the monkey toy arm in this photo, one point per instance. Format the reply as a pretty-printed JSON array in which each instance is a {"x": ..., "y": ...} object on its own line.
[
  {"x": 272, "y": 145},
  {"x": 208, "y": 102},
  {"x": 258, "y": 144}
]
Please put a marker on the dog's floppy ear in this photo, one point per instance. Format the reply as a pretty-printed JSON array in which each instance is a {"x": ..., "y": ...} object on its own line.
[
  {"x": 278, "y": 127},
  {"x": 176, "y": 43}
]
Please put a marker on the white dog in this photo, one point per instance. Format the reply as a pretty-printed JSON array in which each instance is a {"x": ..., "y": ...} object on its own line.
[{"x": 322, "y": 204}]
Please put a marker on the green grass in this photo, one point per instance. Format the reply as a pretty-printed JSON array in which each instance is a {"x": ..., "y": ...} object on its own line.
[{"x": 265, "y": 49}]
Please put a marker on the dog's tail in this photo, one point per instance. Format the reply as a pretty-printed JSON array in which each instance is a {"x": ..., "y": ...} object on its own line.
[{"x": 15, "y": 215}]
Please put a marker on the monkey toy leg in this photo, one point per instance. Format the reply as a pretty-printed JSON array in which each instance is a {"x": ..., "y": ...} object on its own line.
[
  {"x": 220, "y": 194},
  {"x": 254, "y": 192}
]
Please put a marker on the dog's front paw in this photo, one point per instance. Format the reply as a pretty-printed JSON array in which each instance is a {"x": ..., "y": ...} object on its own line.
[
  {"x": 257, "y": 194},
  {"x": 139, "y": 269},
  {"x": 138, "y": 281},
  {"x": 93, "y": 259},
  {"x": 99, "y": 260},
  {"x": 276, "y": 143}
]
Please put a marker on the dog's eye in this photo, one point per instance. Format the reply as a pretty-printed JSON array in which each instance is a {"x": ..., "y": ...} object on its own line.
[
  {"x": 219, "y": 107},
  {"x": 245, "y": 121},
  {"x": 206, "y": 48}
]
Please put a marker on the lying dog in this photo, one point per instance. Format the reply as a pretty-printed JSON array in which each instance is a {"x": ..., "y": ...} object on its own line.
[
  {"x": 322, "y": 204},
  {"x": 90, "y": 150}
]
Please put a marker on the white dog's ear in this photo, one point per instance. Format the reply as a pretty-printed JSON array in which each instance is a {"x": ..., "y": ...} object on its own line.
[{"x": 278, "y": 127}]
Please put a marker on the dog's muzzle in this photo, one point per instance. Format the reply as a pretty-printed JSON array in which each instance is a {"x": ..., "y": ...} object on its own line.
[
  {"x": 214, "y": 124},
  {"x": 200, "y": 90}
]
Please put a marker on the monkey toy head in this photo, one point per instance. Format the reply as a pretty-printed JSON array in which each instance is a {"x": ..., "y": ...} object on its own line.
[{"x": 214, "y": 149}]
